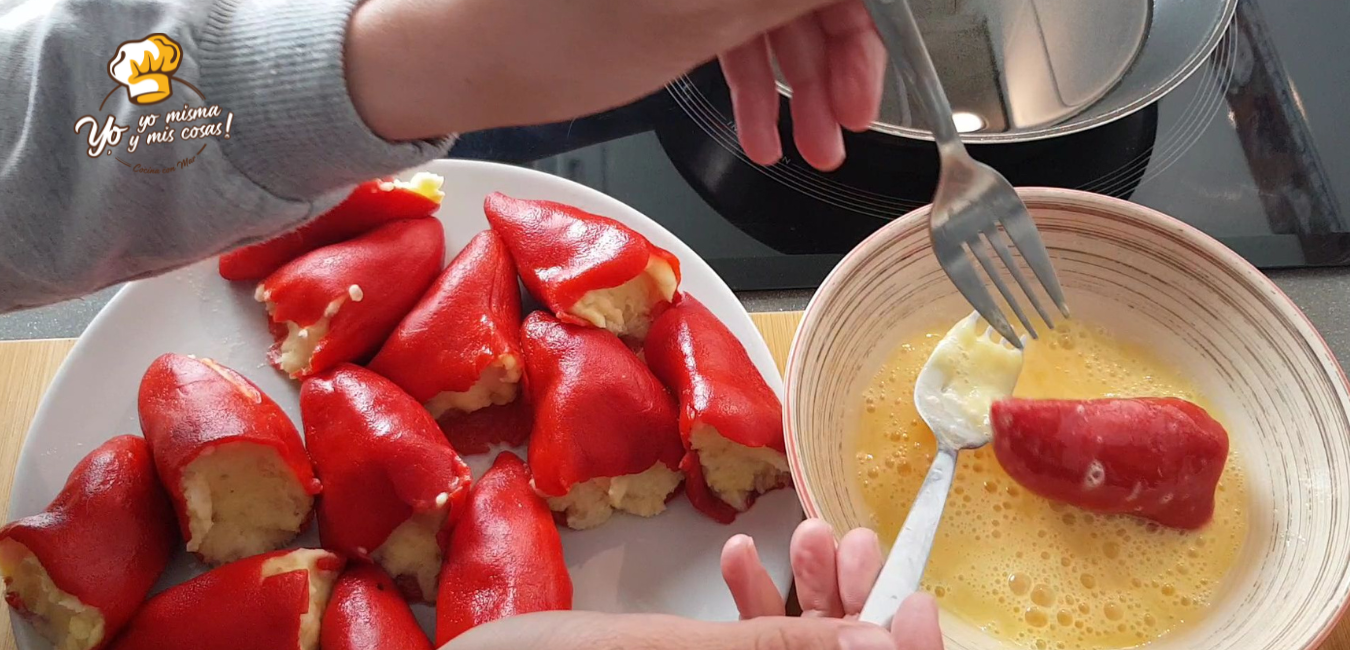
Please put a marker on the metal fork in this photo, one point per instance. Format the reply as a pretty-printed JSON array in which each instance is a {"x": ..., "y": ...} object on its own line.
[{"x": 973, "y": 200}]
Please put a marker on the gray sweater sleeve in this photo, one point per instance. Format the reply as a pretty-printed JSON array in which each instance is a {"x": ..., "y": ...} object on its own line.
[{"x": 72, "y": 223}]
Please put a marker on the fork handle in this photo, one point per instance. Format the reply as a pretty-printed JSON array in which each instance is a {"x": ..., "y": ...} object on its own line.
[
  {"x": 909, "y": 56},
  {"x": 909, "y": 555}
]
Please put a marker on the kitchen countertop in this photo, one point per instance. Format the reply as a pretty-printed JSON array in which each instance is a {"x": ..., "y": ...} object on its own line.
[{"x": 1323, "y": 294}]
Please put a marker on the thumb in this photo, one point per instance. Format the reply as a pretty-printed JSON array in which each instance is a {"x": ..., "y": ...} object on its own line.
[
  {"x": 915, "y": 626},
  {"x": 595, "y": 631}
]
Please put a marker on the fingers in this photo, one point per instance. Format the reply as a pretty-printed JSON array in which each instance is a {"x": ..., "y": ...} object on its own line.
[
  {"x": 814, "y": 566},
  {"x": 857, "y": 63},
  {"x": 915, "y": 626},
  {"x": 859, "y": 562},
  {"x": 754, "y": 97},
  {"x": 800, "y": 47},
  {"x": 595, "y": 631},
  {"x": 751, "y": 587}
]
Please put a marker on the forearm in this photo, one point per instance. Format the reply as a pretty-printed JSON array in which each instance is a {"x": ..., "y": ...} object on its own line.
[{"x": 71, "y": 223}]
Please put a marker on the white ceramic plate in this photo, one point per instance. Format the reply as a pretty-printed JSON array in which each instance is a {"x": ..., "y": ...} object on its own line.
[{"x": 667, "y": 564}]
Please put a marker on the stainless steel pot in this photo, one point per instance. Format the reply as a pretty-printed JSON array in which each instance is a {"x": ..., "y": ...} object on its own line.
[{"x": 1020, "y": 70}]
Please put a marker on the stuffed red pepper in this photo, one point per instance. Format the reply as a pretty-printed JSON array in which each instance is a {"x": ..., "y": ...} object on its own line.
[
  {"x": 730, "y": 420},
  {"x": 459, "y": 348},
  {"x": 371, "y": 204},
  {"x": 338, "y": 303},
  {"x": 393, "y": 485},
  {"x": 505, "y": 556},
  {"x": 79, "y": 569},
  {"x": 264, "y": 602},
  {"x": 230, "y": 459},
  {"x": 1156, "y": 458},
  {"x": 366, "y": 612},
  {"x": 587, "y": 269},
  {"x": 606, "y": 436}
]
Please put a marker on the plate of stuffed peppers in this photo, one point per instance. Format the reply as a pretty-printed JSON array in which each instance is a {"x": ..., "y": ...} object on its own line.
[{"x": 464, "y": 393}]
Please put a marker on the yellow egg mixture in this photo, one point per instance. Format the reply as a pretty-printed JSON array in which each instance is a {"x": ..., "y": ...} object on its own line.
[{"x": 1034, "y": 573}]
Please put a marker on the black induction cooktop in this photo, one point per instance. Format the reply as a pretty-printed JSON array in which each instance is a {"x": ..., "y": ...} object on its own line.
[{"x": 1253, "y": 149}]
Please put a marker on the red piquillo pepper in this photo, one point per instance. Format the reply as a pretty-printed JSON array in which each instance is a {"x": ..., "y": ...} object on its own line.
[
  {"x": 366, "y": 612},
  {"x": 338, "y": 303},
  {"x": 393, "y": 485},
  {"x": 730, "y": 420},
  {"x": 505, "y": 558},
  {"x": 219, "y": 441},
  {"x": 371, "y": 204},
  {"x": 475, "y": 433},
  {"x": 459, "y": 348},
  {"x": 585, "y": 268},
  {"x": 605, "y": 435},
  {"x": 104, "y": 541},
  {"x": 1156, "y": 458},
  {"x": 264, "y": 602}
]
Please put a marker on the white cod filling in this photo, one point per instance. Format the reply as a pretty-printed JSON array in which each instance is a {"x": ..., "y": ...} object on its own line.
[
  {"x": 734, "y": 471},
  {"x": 591, "y": 503},
  {"x": 58, "y": 616},
  {"x": 320, "y": 588},
  {"x": 297, "y": 349},
  {"x": 626, "y": 309},
  {"x": 412, "y": 550},
  {"x": 497, "y": 385},
  {"x": 242, "y": 500},
  {"x": 425, "y": 183}
]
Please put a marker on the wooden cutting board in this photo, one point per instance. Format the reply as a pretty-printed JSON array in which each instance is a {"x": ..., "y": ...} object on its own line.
[{"x": 27, "y": 367}]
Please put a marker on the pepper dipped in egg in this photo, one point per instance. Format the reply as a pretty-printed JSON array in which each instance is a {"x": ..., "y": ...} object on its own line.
[{"x": 1159, "y": 458}]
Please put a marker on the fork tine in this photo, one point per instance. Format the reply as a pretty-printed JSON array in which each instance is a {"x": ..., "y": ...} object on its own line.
[
  {"x": 1008, "y": 296},
  {"x": 995, "y": 238},
  {"x": 1022, "y": 231},
  {"x": 968, "y": 282}
]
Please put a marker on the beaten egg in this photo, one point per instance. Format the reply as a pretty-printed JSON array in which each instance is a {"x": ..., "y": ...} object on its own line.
[{"x": 1031, "y": 572}]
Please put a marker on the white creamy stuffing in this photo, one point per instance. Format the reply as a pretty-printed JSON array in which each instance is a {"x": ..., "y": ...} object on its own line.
[{"x": 591, "y": 503}]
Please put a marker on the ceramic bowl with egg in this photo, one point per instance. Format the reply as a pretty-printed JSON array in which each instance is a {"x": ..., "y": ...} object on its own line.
[{"x": 1159, "y": 309}]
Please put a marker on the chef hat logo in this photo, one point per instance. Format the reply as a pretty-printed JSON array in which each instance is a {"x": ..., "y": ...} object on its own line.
[{"x": 145, "y": 67}]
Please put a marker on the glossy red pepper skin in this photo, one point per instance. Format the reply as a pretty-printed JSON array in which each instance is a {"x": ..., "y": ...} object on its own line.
[
  {"x": 107, "y": 535},
  {"x": 499, "y": 424},
  {"x": 392, "y": 266},
  {"x": 505, "y": 558},
  {"x": 372, "y": 204},
  {"x": 366, "y": 612},
  {"x": 1156, "y": 458},
  {"x": 382, "y": 459},
  {"x": 469, "y": 318},
  {"x": 231, "y": 607},
  {"x": 563, "y": 252},
  {"x": 189, "y": 406},
  {"x": 704, "y": 364},
  {"x": 599, "y": 412}
]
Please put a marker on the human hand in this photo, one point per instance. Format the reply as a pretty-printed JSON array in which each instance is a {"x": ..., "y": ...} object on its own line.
[
  {"x": 419, "y": 68},
  {"x": 832, "y": 584},
  {"x": 832, "y": 580}
]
